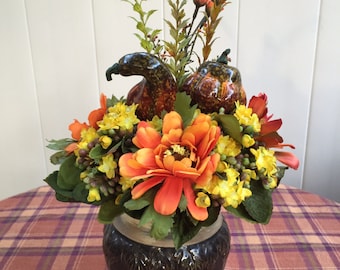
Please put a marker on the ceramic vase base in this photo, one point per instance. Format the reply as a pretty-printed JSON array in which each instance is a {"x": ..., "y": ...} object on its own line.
[{"x": 122, "y": 253}]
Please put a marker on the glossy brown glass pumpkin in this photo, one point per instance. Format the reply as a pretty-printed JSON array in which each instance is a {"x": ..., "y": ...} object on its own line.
[{"x": 215, "y": 85}]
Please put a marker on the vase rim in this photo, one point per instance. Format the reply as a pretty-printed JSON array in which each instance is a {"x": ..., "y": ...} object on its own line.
[{"x": 130, "y": 228}]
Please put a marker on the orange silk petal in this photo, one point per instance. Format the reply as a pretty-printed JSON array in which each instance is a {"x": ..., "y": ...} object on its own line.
[
  {"x": 259, "y": 105},
  {"x": 201, "y": 118},
  {"x": 146, "y": 136},
  {"x": 184, "y": 170},
  {"x": 173, "y": 137},
  {"x": 172, "y": 120},
  {"x": 95, "y": 116},
  {"x": 271, "y": 139},
  {"x": 198, "y": 213},
  {"x": 146, "y": 157},
  {"x": 128, "y": 167},
  {"x": 270, "y": 126},
  {"x": 198, "y": 132},
  {"x": 168, "y": 196},
  {"x": 71, "y": 147},
  {"x": 208, "y": 142},
  {"x": 288, "y": 159},
  {"x": 143, "y": 187},
  {"x": 210, "y": 167},
  {"x": 76, "y": 127},
  {"x": 98, "y": 114}
]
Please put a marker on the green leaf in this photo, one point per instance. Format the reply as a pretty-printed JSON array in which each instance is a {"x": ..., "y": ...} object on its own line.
[
  {"x": 230, "y": 126},
  {"x": 184, "y": 229},
  {"x": 161, "y": 225},
  {"x": 137, "y": 204},
  {"x": 281, "y": 172},
  {"x": 80, "y": 193},
  {"x": 97, "y": 152},
  {"x": 69, "y": 174},
  {"x": 141, "y": 202},
  {"x": 240, "y": 212},
  {"x": 260, "y": 205},
  {"x": 58, "y": 158},
  {"x": 108, "y": 211},
  {"x": 59, "y": 144},
  {"x": 61, "y": 194},
  {"x": 182, "y": 106}
]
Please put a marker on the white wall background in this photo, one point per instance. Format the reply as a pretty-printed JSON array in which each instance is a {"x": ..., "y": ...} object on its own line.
[{"x": 54, "y": 53}]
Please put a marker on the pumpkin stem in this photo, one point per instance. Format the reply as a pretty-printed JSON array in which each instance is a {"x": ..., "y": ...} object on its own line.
[{"x": 224, "y": 59}]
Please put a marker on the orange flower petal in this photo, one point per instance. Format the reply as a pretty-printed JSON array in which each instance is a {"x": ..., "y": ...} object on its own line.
[
  {"x": 76, "y": 127},
  {"x": 172, "y": 120},
  {"x": 259, "y": 105},
  {"x": 198, "y": 213},
  {"x": 173, "y": 137},
  {"x": 143, "y": 187},
  {"x": 270, "y": 126},
  {"x": 208, "y": 142},
  {"x": 209, "y": 166},
  {"x": 128, "y": 167},
  {"x": 146, "y": 136},
  {"x": 71, "y": 147},
  {"x": 288, "y": 159},
  {"x": 98, "y": 114},
  {"x": 146, "y": 157},
  {"x": 168, "y": 197},
  {"x": 184, "y": 170}
]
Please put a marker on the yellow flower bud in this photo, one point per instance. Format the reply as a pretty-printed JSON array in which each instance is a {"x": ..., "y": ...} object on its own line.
[
  {"x": 93, "y": 195},
  {"x": 247, "y": 140},
  {"x": 202, "y": 200},
  {"x": 105, "y": 141}
]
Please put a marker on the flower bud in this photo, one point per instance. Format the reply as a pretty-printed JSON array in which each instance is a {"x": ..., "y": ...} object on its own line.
[{"x": 201, "y": 3}]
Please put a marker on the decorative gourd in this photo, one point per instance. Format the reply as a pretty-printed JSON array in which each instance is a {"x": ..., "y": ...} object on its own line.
[
  {"x": 157, "y": 90},
  {"x": 215, "y": 85}
]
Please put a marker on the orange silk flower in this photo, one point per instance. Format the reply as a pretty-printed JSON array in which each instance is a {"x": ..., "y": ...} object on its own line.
[{"x": 176, "y": 159}]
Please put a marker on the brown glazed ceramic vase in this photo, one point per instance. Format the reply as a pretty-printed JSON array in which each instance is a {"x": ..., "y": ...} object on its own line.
[{"x": 129, "y": 247}]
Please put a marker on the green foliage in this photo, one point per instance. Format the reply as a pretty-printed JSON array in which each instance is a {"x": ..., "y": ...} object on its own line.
[
  {"x": 184, "y": 228},
  {"x": 148, "y": 37},
  {"x": 69, "y": 174},
  {"x": 76, "y": 194},
  {"x": 230, "y": 126},
  {"x": 110, "y": 102},
  {"x": 183, "y": 107},
  {"x": 161, "y": 225},
  {"x": 59, "y": 144},
  {"x": 58, "y": 157},
  {"x": 177, "y": 49},
  {"x": 108, "y": 211}
]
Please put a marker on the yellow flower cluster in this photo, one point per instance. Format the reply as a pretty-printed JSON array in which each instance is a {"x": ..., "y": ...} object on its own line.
[
  {"x": 87, "y": 136},
  {"x": 120, "y": 116},
  {"x": 246, "y": 117},
  {"x": 227, "y": 147},
  {"x": 232, "y": 190},
  {"x": 266, "y": 164}
]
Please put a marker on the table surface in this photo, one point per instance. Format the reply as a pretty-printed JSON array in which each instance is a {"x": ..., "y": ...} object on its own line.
[{"x": 38, "y": 232}]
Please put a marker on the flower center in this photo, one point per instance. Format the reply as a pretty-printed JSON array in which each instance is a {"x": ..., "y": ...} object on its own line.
[{"x": 177, "y": 151}]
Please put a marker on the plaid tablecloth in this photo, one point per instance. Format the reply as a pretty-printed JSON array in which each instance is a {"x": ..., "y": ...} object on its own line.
[{"x": 38, "y": 232}]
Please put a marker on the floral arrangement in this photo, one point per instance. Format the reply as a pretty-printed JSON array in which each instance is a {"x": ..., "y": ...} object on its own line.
[{"x": 182, "y": 144}]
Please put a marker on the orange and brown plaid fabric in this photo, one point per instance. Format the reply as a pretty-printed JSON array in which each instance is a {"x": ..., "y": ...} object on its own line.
[{"x": 38, "y": 232}]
